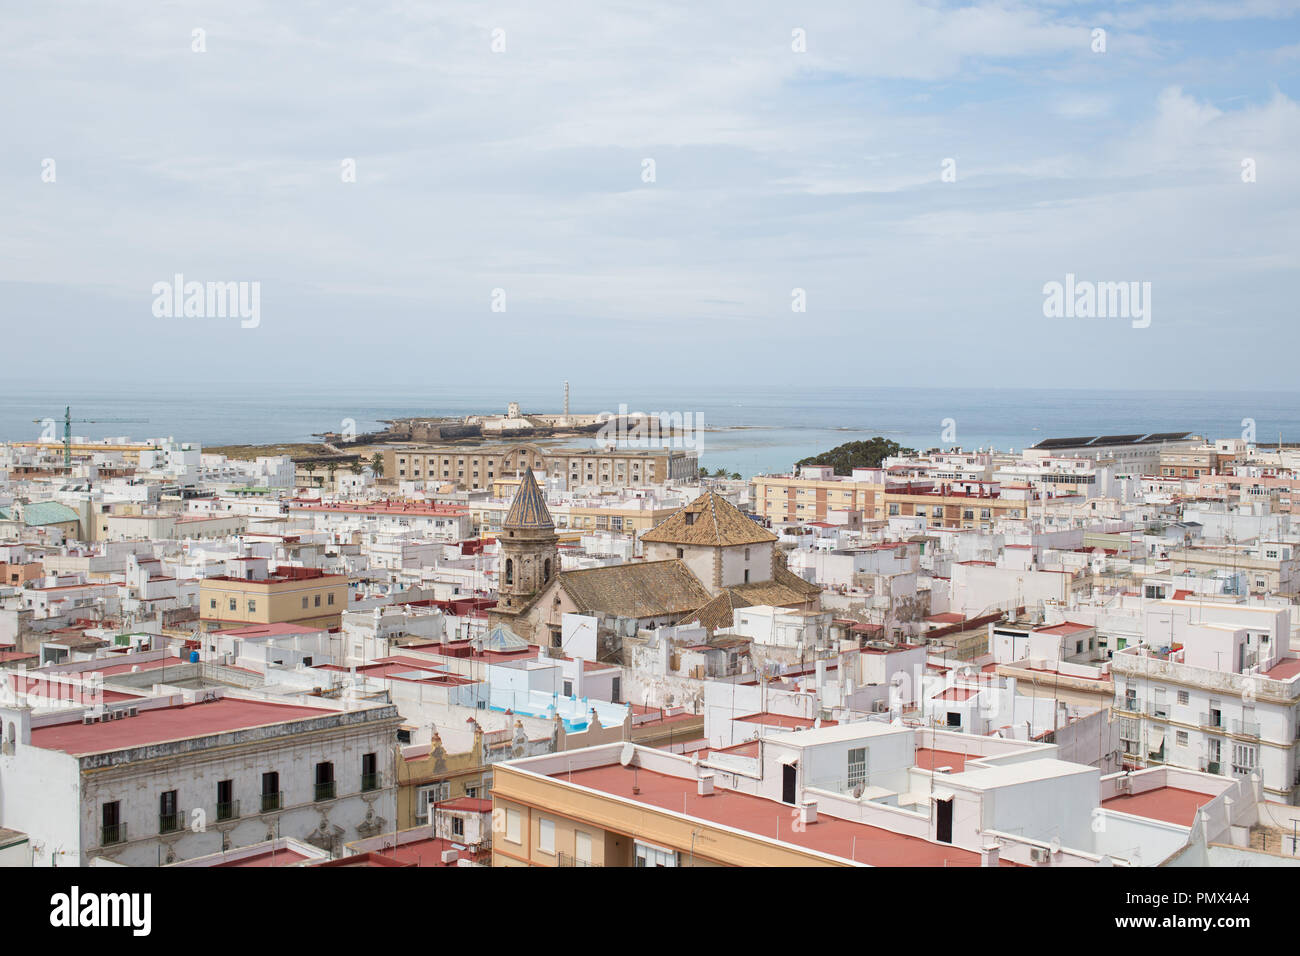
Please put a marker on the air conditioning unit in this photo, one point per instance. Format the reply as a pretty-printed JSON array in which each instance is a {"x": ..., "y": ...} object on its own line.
[{"x": 1039, "y": 854}]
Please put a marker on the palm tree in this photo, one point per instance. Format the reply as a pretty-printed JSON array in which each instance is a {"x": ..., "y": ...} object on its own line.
[
  {"x": 377, "y": 465},
  {"x": 332, "y": 467},
  {"x": 310, "y": 468}
]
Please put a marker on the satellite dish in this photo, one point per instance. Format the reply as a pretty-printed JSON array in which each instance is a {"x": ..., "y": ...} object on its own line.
[{"x": 626, "y": 755}]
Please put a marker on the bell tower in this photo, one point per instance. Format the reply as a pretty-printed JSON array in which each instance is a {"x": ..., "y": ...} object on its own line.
[{"x": 530, "y": 553}]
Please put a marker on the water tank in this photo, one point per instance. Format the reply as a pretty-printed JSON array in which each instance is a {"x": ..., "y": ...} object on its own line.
[{"x": 194, "y": 657}]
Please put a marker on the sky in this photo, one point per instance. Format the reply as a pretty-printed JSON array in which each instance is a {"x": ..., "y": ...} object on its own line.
[{"x": 461, "y": 191}]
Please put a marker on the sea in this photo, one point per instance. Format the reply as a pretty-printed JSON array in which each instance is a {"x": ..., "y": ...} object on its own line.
[{"x": 751, "y": 429}]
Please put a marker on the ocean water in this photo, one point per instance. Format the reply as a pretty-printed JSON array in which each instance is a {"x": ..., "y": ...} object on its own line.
[{"x": 750, "y": 430}]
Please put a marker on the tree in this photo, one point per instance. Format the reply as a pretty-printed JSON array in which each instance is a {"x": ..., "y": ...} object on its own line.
[
  {"x": 377, "y": 465},
  {"x": 332, "y": 467},
  {"x": 735, "y": 476},
  {"x": 858, "y": 454}
]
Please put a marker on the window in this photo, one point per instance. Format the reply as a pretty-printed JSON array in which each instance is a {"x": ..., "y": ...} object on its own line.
[
  {"x": 304, "y": 602},
  {"x": 324, "y": 780},
  {"x": 234, "y": 604},
  {"x": 271, "y": 796},
  {"x": 226, "y": 807},
  {"x": 650, "y": 855},
  {"x": 212, "y": 604},
  {"x": 169, "y": 818},
  {"x": 112, "y": 829},
  {"x": 331, "y": 598},
  {"x": 252, "y": 606},
  {"x": 582, "y": 846},
  {"x": 317, "y": 600},
  {"x": 857, "y": 766},
  {"x": 546, "y": 836},
  {"x": 1180, "y": 738},
  {"x": 512, "y": 826},
  {"x": 1245, "y": 757},
  {"x": 369, "y": 773},
  {"x": 1183, "y": 698},
  {"x": 458, "y": 826},
  {"x": 426, "y": 797}
]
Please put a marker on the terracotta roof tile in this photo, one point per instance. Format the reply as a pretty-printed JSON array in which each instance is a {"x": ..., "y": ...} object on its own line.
[
  {"x": 709, "y": 520},
  {"x": 642, "y": 590}
]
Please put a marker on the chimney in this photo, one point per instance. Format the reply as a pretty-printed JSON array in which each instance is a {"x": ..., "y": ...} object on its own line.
[
  {"x": 989, "y": 855},
  {"x": 704, "y": 785},
  {"x": 808, "y": 812}
]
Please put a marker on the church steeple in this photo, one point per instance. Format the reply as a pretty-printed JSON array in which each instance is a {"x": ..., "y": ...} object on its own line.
[
  {"x": 528, "y": 510},
  {"x": 530, "y": 554}
]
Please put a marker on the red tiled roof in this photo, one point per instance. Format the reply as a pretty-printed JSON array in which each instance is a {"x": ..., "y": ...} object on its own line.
[
  {"x": 927, "y": 759},
  {"x": 1067, "y": 627},
  {"x": 783, "y": 720},
  {"x": 1284, "y": 669},
  {"x": 831, "y": 835},
  {"x": 1170, "y": 804},
  {"x": 168, "y": 723}
]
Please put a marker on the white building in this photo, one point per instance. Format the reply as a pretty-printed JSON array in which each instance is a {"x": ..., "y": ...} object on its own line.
[{"x": 149, "y": 782}]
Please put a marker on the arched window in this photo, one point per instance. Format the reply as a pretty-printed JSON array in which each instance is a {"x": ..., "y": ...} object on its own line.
[{"x": 510, "y": 571}]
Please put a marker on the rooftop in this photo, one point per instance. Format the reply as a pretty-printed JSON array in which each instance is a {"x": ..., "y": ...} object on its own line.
[
  {"x": 1170, "y": 804},
  {"x": 163, "y": 724},
  {"x": 770, "y": 820}
]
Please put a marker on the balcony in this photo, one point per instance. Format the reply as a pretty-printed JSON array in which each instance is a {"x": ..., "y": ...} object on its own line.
[
  {"x": 272, "y": 802},
  {"x": 325, "y": 791},
  {"x": 228, "y": 811},
  {"x": 112, "y": 833},
  {"x": 369, "y": 782},
  {"x": 568, "y": 859},
  {"x": 1246, "y": 728},
  {"x": 170, "y": 822},
  {"x": 1212, "y": 721}
]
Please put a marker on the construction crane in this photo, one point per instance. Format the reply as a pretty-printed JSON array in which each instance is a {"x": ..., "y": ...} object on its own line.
[{"x": 67, "y": 428}]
